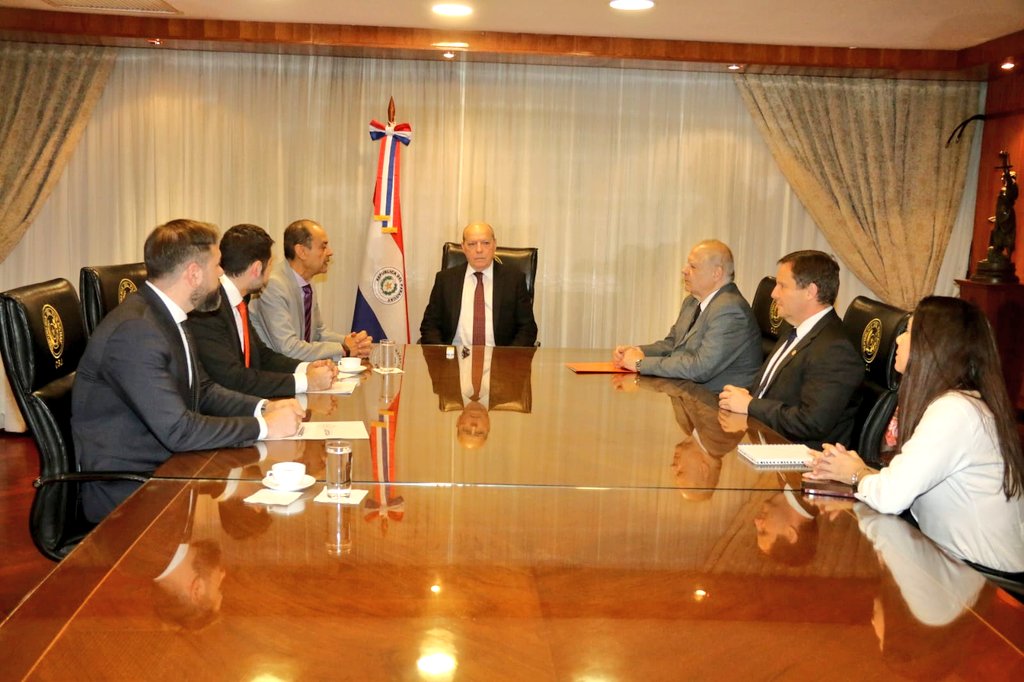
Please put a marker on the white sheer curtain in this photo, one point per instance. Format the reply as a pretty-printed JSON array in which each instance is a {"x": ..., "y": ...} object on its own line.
[{"x": 612, "y": 173}]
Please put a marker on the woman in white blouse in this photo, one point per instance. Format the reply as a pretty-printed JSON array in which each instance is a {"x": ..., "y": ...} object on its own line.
[{"x": 960, "y": 469}]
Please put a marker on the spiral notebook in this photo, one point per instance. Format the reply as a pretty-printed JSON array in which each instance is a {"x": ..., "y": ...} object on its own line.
[{"x": 776, "y": 456}]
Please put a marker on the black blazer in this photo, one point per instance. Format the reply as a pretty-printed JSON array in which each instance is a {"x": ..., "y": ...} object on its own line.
[
  {"x": 269, "y": 375},
  {"x": 812, "y": 399},
  {"x": 132, "y": 406},
  {"x": 512, "y": 314}
]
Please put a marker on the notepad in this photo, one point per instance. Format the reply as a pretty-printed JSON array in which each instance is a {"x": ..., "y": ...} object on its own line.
[{"x": 776, "y": 456}]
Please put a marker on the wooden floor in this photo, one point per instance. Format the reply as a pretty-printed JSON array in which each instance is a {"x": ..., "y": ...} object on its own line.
[{"x": 22, "y": 566}]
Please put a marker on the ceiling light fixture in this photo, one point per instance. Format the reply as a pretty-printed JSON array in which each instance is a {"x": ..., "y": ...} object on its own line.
[
  {"x": 631, "y": 5},
  {"x": 451, "y": 45},
  {"x": 448, "y": 55},
  {"x": 155, "y": 41},
  {"x": 452, "y": 10},
  {"x": 734, "y": 67},
  {"x": 1008, "y": 64}
]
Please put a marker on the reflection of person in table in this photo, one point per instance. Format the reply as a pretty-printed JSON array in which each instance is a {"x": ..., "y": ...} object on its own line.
[
  {"x": 477, "y": 381},
  {"x": 916, "y": 618},
  {"x": 697, "y": 461},
  {"x": 787, "y": 527}
]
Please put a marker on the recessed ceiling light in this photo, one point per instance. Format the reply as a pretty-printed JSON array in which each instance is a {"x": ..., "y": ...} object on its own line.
[
  {"x": 452, "y": 10},
  {"x": 1007, "y": 65},
  {"x": 448, "y": 55},
  {"x": 735, "y": 67},
  {"x": 452, "y": 45},
  {"x": 631, "y": 5},
  {"x": 154, "y": 41}
]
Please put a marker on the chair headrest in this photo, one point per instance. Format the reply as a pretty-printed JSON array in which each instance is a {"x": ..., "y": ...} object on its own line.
[
  {"x": 103, "y": 287},
  {"x": 42, "y": 334},
  {"x": 873, "y": 327}
]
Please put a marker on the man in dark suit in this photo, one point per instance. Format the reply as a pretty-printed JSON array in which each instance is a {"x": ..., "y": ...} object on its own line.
[
  {"x": 231, "y": 351},
  {"x": 140, "y": 394},
  {"x": 806, "y": 387},
  {"x": 715, "y": 341},
  {"x": 484, "y": 289}
]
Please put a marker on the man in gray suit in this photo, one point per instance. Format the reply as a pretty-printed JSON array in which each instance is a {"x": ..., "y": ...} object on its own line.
[
  {"x": 715, "y": 341},
  {"x": 140, "y": 392},
  {"x": 286, "y": 315}
]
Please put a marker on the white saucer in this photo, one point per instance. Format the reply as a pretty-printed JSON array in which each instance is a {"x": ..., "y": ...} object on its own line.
[
  {"x": 306, "y": 481},
  {"x": 352, "y": 372}
]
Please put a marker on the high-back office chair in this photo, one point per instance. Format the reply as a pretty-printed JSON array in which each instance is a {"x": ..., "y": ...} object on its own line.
[
  {"x": 103, "y": 287},
  {"x": 522, "y": 259},
  {"x": 42, "y": 340},
  {"x": 767, "y": 315},
  {"x": 873, "y": 327}
]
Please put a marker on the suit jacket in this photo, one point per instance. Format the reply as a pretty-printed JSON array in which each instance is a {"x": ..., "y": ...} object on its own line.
[
  {"x": 269, "y": 374},
  {"x": 510, "y": 387},
  {"x": 812, "y": 399},
  {"x": 723, "y": 347},
  {"x": 132, "y": 405},
  {"x": 277, "y": 314},
  {"x": 512, "y": 310}
]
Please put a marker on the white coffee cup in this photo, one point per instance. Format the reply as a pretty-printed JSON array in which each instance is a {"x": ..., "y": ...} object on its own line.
[
  {"x": 350, "y": 364},
  {"x": 287, "y": 474}
]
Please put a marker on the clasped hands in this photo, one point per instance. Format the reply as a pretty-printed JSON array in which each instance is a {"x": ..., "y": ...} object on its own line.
[
  {"x": 626, "y": 357},
  {"x": 834, "y": 463},
  {"x": 283, "y": 417},
  {"x": 358, "y": 344}
]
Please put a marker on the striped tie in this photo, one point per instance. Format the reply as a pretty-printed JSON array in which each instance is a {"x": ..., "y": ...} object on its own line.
[
  {"x": 479, "y": 314},
  {"x": 307, "y": 308}
]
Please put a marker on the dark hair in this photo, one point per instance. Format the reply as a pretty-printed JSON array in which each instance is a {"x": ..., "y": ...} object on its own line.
[
  {"x": 297, "y": 233},
  {"x": 241, "y": 246},
  {"x": 815, "y": 267},
  {"x": 177, "y": 607},
  {"x": 953, "y": 349},
  {"x": 173, "y": 244}
]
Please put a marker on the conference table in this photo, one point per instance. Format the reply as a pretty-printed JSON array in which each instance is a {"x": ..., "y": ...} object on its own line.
[{"x": 604, "y": 528}]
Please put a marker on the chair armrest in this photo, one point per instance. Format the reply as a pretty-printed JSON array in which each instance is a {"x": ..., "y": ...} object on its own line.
[{"x": 78, "y": 477}]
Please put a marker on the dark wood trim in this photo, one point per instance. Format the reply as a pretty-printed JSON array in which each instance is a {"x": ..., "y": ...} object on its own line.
[{"x": 345, "y": 40}]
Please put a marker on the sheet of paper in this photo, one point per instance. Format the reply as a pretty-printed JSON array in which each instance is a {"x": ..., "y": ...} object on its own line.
[
  {"x": 327, "y": 430},
  {"x": 595, "y": 368},
  {"x": 355, "y": 497},
  {"x": 341, "y": 387},
  {"x": 266, "y": 496}
]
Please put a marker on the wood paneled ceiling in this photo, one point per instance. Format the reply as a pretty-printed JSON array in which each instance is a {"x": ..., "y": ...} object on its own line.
[{"x": 916, "y": 38}]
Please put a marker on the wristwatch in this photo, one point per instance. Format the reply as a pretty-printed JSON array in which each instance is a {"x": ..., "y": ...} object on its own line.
[{"x": 636, "y": 366}]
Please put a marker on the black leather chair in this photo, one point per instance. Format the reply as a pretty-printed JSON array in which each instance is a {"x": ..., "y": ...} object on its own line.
[
  {"x": 103, "y": 287},
  {"x": 767, "y": 315},
  {"x": 41, "y": 340},
  {"x": 522, "y": 259},
  {"x": 873, "y": 327}
]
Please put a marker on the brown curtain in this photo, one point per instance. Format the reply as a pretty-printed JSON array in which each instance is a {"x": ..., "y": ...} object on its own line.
[
  {"x": 48, "y": 95},
  {"x": 867, "y": 158}
]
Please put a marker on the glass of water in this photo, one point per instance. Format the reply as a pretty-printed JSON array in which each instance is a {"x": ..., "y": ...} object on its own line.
[{"x": 339, "y": 469}]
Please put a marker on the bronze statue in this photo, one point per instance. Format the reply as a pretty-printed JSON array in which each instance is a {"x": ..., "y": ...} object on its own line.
[{"x": 998, "y": 266}]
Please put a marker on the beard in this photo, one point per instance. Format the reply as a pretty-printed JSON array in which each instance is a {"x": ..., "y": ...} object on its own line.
[{"x": 206, "y": 302}]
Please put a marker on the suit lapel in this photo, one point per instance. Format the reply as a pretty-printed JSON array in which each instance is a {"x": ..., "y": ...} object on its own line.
[
  {"x": 180, "y": 365},
  {"x": 455, "y": 303},
  {"x": 802, "y": 343},
  {"x": 496, "y": 290}
]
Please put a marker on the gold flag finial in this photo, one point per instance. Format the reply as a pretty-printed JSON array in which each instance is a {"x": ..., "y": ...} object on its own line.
[{"x": 391, "y": 111}]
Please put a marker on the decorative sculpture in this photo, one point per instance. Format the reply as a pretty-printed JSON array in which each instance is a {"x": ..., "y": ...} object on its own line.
[{"x": 998, "y": 268}]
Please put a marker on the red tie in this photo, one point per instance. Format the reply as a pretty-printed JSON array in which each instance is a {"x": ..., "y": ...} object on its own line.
[
  {"x": 243, "y": 312},
  {"x": 479, "y": 315}
]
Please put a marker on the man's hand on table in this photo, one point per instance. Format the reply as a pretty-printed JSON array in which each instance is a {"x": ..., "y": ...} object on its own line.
[
  {"x": 734, "y": 399},
  {"x": 321, "y": 374},
  {"x": 358, "y": 344},
  {"x": 283, "y": 417}
]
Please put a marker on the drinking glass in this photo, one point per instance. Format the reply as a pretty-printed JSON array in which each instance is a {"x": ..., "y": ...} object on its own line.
[{"x": 339, "y": 469}]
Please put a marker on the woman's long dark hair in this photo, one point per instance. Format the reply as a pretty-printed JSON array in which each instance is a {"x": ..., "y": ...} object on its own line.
[{"x": 953, "y": 348}]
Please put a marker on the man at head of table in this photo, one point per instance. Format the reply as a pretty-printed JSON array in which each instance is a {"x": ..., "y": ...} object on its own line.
[
  {"x": 286, "y": 315},
  {"x": 805, "y": 389},
  {"x": 140, "y": 392},
  {"x": 481, "y": 303},
  {"x": 715, "y": 340}
]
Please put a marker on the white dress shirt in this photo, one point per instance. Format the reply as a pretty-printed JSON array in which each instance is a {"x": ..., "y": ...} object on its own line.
[{"x": 801, "y": 331}]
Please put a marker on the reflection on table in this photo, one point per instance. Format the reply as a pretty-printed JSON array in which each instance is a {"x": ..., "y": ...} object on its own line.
[
  {"x": 479, "y": 582},
  {"x": 541, "y": 425}
]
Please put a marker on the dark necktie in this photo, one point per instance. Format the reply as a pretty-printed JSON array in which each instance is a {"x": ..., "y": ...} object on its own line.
[
  {"x": 193, "y": 372},
  {"x": 696, "y": 314},
  {"x": 243, "y": 312},
  {"x": 307, "y": 309},
  {"x": 479, "y": 315},
  {"x": 478, "y": 372},
  {"x": 774, "y": 363}
]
